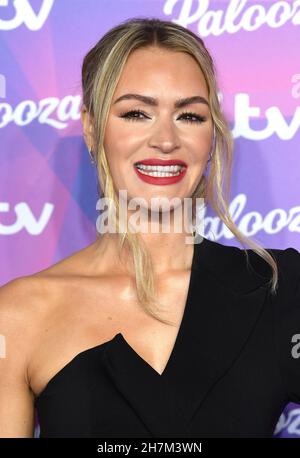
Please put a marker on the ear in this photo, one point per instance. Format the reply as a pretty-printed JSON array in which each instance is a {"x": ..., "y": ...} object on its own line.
[{"x": 87, "y": 127}]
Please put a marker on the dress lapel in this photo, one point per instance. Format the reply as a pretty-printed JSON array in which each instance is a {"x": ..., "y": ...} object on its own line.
[{"x": 224, "y": 303}]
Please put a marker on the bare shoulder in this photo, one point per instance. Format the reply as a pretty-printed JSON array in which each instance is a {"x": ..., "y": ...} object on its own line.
[
  {"x": 22, "y": 302},
  {"x": 28, "y": 300},
  {"x": 34, "y": 310},
  {"x": 17, "y": 297},
  {"x": 23, "y": 295}
]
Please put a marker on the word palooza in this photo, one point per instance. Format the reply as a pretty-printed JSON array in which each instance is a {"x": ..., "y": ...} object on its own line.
[{"x": 236, "y": 15}]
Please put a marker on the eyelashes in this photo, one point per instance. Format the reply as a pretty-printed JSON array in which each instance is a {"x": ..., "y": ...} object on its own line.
[{"x": 129, "y": 116}]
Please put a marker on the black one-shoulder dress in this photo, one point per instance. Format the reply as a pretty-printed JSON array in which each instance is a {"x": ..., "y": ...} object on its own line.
[{"x": 234, "y": 366}]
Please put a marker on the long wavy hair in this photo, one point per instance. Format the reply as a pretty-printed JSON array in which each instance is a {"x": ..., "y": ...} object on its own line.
[{"x": 101, "y": 69}]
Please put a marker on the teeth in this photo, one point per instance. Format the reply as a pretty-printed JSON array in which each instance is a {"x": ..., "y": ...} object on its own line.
[
  {"x": 160, "y": 168},
  {"x": 160, "y": 174}
]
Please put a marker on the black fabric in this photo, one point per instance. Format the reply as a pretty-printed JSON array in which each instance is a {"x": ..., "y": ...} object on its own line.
[{"x": 230, "y": 374}]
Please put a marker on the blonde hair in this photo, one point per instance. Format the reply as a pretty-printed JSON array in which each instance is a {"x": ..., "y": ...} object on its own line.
[{"x": 101, "y": 70}]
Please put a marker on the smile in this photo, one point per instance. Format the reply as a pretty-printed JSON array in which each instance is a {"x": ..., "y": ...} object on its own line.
[{"x": 160, "y": 174}]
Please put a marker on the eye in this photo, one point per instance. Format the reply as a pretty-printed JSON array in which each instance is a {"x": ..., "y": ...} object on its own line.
[
  {"x": 131, "y": 116},
  {"x": 198, "y": 118}
]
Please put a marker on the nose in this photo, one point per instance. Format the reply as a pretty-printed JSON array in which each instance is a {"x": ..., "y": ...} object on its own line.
[{"x": 164, "y": 136}]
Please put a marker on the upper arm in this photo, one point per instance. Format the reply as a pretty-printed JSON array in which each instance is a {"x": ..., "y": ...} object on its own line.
[{"x": 16, "y": 397}]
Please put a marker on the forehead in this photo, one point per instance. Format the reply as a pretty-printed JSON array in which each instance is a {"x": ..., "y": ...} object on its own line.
[{"x": 155, "y": 70}]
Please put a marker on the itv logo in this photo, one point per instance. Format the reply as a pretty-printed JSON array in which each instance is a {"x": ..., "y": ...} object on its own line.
[{"x": 24, "y": 14}]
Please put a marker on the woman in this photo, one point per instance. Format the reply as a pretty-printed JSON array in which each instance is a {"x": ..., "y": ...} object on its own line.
[{"x": 149, "y": 335}]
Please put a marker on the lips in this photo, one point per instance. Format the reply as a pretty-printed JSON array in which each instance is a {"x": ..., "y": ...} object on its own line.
[
  {"x": 156, "y": 161},
  {"x": 149, "y": 173}
]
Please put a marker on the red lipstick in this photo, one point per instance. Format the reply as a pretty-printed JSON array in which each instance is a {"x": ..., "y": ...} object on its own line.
[
  {"x": 144, "y": 174},
  {"x": 156, "y": 161}
]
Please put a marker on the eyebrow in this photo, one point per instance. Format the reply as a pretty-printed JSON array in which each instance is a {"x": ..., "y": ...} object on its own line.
[{"x": 154, "y": 102}]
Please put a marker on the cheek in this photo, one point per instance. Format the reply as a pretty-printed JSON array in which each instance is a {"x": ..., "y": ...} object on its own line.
[
  {"x": 119, "y": 166},
  {"x": 125, "y": 135},
  {"x": 198, "y": 147},
  {"x": 119, "y": 144}
]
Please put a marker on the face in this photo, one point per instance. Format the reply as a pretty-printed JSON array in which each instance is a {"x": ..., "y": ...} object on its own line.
[{"x": 138, "y": 130}]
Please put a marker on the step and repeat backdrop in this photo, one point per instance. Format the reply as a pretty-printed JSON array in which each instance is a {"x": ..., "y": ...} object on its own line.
[{"x": 48, "y": 185}]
